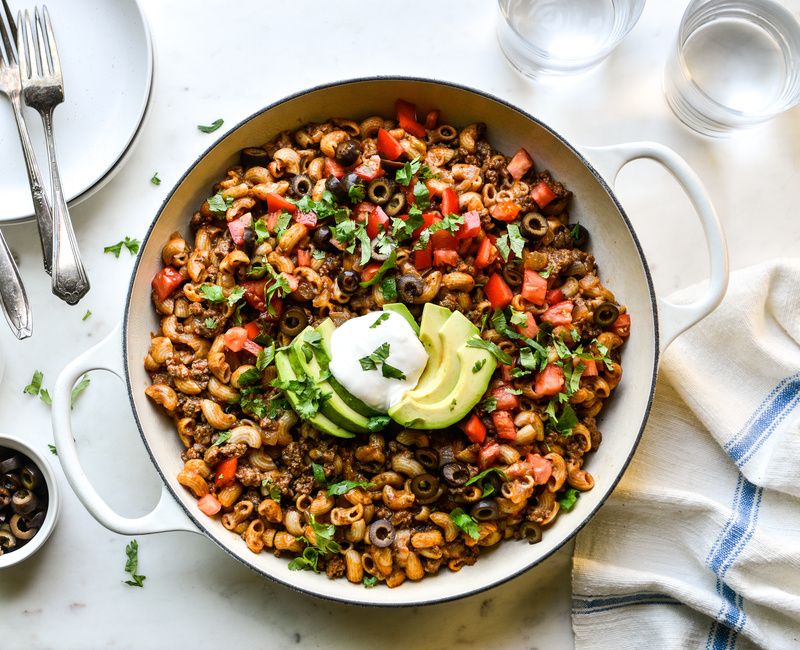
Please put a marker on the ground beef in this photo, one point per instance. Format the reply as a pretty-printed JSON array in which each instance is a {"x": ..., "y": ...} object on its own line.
[
  {"x": 292, "y": 457},
  {"x": 161, "y": 378},
  {"x": 194, "y": 452},
  {"x": 188, "y": 405},
  {"x": 339, "y": 317},
  {"x": 303, "y": 485},
  {"x": 334, "y": 567},
  {"x": 249, "y": 476},
  {"x": 199, "y": 370},
  {"x": 236, "y": 449},
  {"x": 401, "y": 519}
]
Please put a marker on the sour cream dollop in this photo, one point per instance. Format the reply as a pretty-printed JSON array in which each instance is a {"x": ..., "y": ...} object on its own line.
[{"x": 357, "y": 338}]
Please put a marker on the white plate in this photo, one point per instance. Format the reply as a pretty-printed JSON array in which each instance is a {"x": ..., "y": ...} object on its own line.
[{"x": 107, "y": 60}]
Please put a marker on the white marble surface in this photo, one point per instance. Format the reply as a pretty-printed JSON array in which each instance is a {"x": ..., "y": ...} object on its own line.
[{"x": 214, "y": 60}]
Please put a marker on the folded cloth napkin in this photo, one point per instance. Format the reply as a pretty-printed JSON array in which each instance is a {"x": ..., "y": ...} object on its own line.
[{"x": 699, "y": 545}]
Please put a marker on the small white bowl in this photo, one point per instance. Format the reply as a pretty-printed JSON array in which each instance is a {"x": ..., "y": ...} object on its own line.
[{"x": 53, "y": 501}]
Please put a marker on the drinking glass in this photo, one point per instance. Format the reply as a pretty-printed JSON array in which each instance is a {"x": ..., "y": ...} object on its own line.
[
  {"x": 735, "y": 65},
  {"x": 560, "y": 37}
]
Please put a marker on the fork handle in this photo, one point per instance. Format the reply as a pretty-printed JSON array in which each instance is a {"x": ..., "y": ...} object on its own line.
[
  {"x": 70, "y": 282},
  {"x": 44, "y": 217},
  {"x": 13, "y": 298}
]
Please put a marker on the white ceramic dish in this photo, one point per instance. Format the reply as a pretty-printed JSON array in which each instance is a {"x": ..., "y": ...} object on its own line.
[
  {"x": 107, "y": 59},
  {"x": 622, "y": 266},
  {"x": 53, "y": 502}
]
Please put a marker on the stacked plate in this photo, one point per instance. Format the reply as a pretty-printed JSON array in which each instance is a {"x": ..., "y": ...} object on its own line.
[{"x": 107, "y": 60}]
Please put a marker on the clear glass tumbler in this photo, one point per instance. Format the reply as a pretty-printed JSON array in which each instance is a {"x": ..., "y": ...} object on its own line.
[
  {"x": 735, "y": 65},
  {"x": 560, "y": 37}
]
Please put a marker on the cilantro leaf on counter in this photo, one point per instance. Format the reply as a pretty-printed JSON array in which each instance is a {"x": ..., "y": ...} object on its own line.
[
  {"x": 36, "y": 384},
  {"x": 132, "y": 565},
  {"x": 131, "y": 244},
  {"x": 211, "y": 127},
  {"x": 87, "y": 314},
  {"x": 53, "y": 450},
  {"x": 44, "y": 395},
  {"x": 155, "y": 180}
]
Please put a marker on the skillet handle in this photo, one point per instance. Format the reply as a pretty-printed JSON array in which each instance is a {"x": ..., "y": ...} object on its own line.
[
  {"x": 167, "y": 515},
  {"x": 675, "y": 318}
]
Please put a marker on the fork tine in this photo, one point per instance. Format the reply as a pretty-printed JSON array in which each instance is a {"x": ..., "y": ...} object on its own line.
[
  {"x": 11, "y": 22},
  {"x": 27, "y": 51},
  {"x": 42, "y": 45},
  {"x": 52, "y": 48},
  {"x": 9, "y": 50}
]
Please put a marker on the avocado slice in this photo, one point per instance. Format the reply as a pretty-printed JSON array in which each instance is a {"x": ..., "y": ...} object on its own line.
[
  {"x": 319, "y": 421},
  {"x": 433, "y": 318},
  {"x": 471, "y": 385},
  {"x": 335, "y": 408},
  {"x": 400, "y": 308},
  {"x": 326, "y": 329},
  {"x": 455, "y": 331}
]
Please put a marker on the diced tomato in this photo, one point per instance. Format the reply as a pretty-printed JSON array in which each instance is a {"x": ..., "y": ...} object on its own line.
[
  {"x": 303, "y": 257},
  {"x": 475, "y": 429},
  {"x": 504, "y": 425},
  {"x": 559, "y": 314},
  {"x": 432, "y": 119},
  {"x": 407, "y": 118},
  {"x": 590, "y": 366},
  {"x": 332, "y": 168},
  {"x": 436, "y": 186},
  {"x": 471, "y": 226},
  {"x": 428, "y": 219},
  {"x": 489, "y": 453},
  {"x": 234, "y": 338},
  {"x": 530, "y": 328},
  {"x": 444, "y": 239},
  {"x": 504, "y": 210},
  {"x": 520, "y": 164},
  {"x": 542, "y": 194},
  {"x": 209, "y": 505},
  {"x": 253, "y": 330},
  {"x": 534, "y": 287},
  {"x": 422, "y": 260},
  {"x": 225, "y": 472},
  {"x": 498, "y": 292},
  {"x": 388, "y": 146},
  {"x": 377, "y": 221},
  {"x": 445, "y": 257},
  {"x": 272, "y": 220},
  {"x": 252, "y": 347},
  {"x": 553, "y": 296},
  {"x": 308, "y": 219},
  {"x": 549, "y": 381},
  {"x": 487, "y": 253},
  {"x": 505, "y": 372},
  {"x": 541, "y": 468},
  {"x": 362, "y": 210},
  {"x": 370, "y": 169},
  {"x": 449, "y": 201},
  {"x": 254, "y": 295},
  {"x": 166, "y": 281},
  {"x": 237, "y": 228},
  {"x": 506, "y": 400},
  {"x": 291, "y": 280},
  {"x": 369, "y": 271},
  {"x": 276, "y": 203},
  {"x": 622, "y": 326}
]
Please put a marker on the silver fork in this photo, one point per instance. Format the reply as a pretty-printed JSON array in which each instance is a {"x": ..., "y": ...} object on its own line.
[
  {"x": 43, "y": 90},
  {"x": 10, "y": 85}
]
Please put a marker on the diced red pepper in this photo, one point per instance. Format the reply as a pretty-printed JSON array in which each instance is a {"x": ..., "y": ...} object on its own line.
[
  {"x": 549, "y": 381},
  {"x": 362, "y": 210},
  {"x": 475, "y": 429},
  {"x": 489, "y": 453},
  {"x": 166, "y": 281},
  {"x": 225, "y": 472},
  {"x": 541, "y": 468},
  {"x": 254, "y": 295},
  {"x": 534, "y": 287},
  {"x": 407, "y": 118},
  {"x": 272, "y": 220},
  {"x": 445, "y": 257},
  {"x": 332, "y": 168},
  {"x": 590, "y": 366},
  {"x": 252, "y": 329},
  {"x": 276, "y": 203},
  {"x": 443, "y": 239},
  {"x": 428, "y": 219},
  {"x": 622, "y": 326},
  {"x": 436, "y": 186},
  {"x": 553, "y": 296},
  {"x": 432, "y": 119},
  {"x": 505, "y": 372},
  {"x": 308, "y": 219},
  {"x": 234, "y": 338},
  {"x": 506, "y": 400},
  {"x": 422, "y": 260},
  {"x": 559, "y": 314},
  {"x": 252, "y": 347},
  {"x": 369, "y": 169},
  {"x": 471, "y": 226},
  {"x": 303, "y": 257},
  {"x": 520, "y": 164},
  {"x": 487, "y": 253},
  {"x": 505, "y": 210},
  {"x": 209, "y": 505},
  {"x": 377, "y": 221},
  {"x": 449, "y": 202},
  {"x": 388, "y": 146},
  {"x": 237, "y": 228},
  {"x": 504, "y": 425},
  {"x": 498, "y": 292},
  {"x": 530, "y": 328},
  {"x": 542, "y": 194},
  {"x": 369, "y": 271}
]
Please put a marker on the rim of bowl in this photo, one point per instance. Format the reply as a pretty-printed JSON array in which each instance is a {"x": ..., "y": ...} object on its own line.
[{"x": 13, "y": 558}]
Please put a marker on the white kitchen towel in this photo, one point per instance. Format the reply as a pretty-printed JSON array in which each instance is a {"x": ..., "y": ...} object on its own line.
[{"x": 699, "y": 545}]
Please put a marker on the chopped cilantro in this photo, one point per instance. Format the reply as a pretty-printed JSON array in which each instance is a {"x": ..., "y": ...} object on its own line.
[
  {"x": 388, "y": 264},
  {"x": 403, "y": 229},
  {"x": 422, "y": 197},
  {"x": 342, "y": 487},
  {"x": 318, "y": 254},
  {"x": 479, "y": 364},
  {"x": 36, "y": 383},
  {"x": 265, "y": 357},
  {"x": 356, "y": 192},
  {"x": 87, "y": 315},
  {"x": 569, "y": 499},
  {"x": 273, "y": 490},
  {"x": 546, "y": 273},
  {"x": 249, "y": 377},
  {"x": 44, "y": 395},
  {"x": 489, "y": 405},
  {"x": 378, "y": 422},
  {"x": 81, "y": 386},
  {"x": 379, "y": 320},
  {"x": 210, "y": 323},
  {"x": 379, "y": 356},
  {"x": 132, "y": 565},
  {"x": 222, "y": 438},
  {"x": 131, "y": 244},
  {"x": 389, "y": 288},
  {"x": 53, "y": 450},
  {"x": 500, "y": 355},
  {"x": 210, "y": 128},
  {"x": 369, "y": 581},
  {"x": 404, "y": 175},
  {"x": 155, "y": 180},
  {"x": 308, "y": 393},
  {"x": 487, "y": 488},
  {"x": 501, "y": 243},
  {"x": 319, "y": 473},
  {"x": 465, "y": 523},
  {"x": 219, "y": 203}
]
